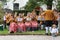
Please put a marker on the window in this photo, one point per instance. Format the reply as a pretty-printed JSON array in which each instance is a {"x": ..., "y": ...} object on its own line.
[{"x": 16, "y": 6}]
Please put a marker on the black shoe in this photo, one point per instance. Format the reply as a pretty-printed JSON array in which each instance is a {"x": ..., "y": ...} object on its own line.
[
  {"x": 11, "y": 32},
  {"x": 46, "y": 33}
]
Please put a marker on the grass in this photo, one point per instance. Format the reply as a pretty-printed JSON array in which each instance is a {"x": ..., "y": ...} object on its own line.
[
  {"x": 39, "y": 32},
  {"x": 4, "y": 32},
  {"x": 33, "y": 33}
]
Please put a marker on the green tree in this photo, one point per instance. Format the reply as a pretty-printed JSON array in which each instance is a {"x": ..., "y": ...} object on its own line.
[
  {"x": 1, "y": 11},
  {"x": 58, "y": 6},
  {"x": 31, "y": 4},
  {"x": 49, "y": 3}
]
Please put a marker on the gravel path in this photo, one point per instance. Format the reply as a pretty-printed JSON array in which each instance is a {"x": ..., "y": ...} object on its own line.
[{"x": 28, "y": 37}]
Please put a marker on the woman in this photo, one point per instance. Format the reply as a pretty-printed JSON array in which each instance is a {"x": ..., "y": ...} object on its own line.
[
  {"x": 28, "y": 22},
  {"x": 21, "y": 25},
  {"x": 8, "y": 18},
  {"x": 13, "y": 25},
  {"x": 40, "y": 21},
  {"x": 34, "y": 24}
]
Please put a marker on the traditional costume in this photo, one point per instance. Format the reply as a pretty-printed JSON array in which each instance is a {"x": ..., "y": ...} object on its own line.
[
  {"x": 34, "y": 24},
  {"x": 28, "y": 23},
  {"x": 13, "y": 25},
  {"x": 21, "y": 25}
]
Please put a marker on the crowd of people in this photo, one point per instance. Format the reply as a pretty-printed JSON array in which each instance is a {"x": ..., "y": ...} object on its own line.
[{"x": 44, "y": 20}]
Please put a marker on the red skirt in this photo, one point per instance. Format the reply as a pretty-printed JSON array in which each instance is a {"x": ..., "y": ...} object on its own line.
[
  {"x": 34, "y": 23},
  {"x": 21, "y": 26},
  {"x": 13, "y": 27},
  {"x": 28, "y": 24}
]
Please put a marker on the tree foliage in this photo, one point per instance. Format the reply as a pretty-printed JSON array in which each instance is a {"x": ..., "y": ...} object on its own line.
[
  {"x": 31, "y": 4},
  {"x": 58, "y": 6},
  {"x": 1, "y": 13}
]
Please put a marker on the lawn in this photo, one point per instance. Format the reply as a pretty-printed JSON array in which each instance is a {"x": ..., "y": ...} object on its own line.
[{"x": 39, "y": 32}]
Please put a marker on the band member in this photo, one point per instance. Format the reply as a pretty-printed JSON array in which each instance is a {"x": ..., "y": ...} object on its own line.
[
  {"x": 15, "y": 17},
  {"x": 13, "y": 26},
  {"x": 21, "y": 25},
  {"x": 59, "y": 21},
  {"x": 56, "y": 17},
  {"x": 8, "y": 19},
  {"x": 33, "y": 14},
  {"x": 5, "y": 18},
  {"x": 28, "y": 22},
  {"x": 49, "y": 17},
  {"x": 40, "y": 20},
  {"x": 34, "y": 24}
]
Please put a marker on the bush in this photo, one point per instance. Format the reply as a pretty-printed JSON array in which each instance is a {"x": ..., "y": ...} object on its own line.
[{"x": 1, "y": 16}]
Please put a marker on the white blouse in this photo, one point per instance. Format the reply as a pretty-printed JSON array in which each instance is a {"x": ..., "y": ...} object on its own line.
[
  {"x": 39, "y": 18},
  {"x": 4, "y": 17},
  {"x": 19, "y": 19},
  {"x": 28, "y": 19},
  {"x": 54, "y": 30}
]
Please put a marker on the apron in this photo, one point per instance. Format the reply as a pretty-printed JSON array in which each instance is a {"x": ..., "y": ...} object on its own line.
[
  {"x": 27, "y": 24},
  {"x": 13, "y": 27},
  {"x": 21, "y": 26},
  {"x": 34, "y": 23}
]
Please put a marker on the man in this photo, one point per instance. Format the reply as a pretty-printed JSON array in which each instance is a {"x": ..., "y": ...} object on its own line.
[
  {"x": 56, "y": 17},
  {"x": 59, "y": 21},
  {"x": 49, "y": 17},
  {"x": 5, "y": 19}
]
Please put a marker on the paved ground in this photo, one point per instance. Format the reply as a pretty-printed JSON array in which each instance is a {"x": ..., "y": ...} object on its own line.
[{"x": 28, "y": 37}]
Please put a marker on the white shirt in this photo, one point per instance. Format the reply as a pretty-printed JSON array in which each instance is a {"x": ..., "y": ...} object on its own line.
[
  {"x": 28, "y": 19},
  {"x": 4, "y": 17},
  {"x": 39, "y": 18},
  {"x": 19, "y": 19},
  {"x": 54, "y": 30},
  {"x": 58, "y": 18}
]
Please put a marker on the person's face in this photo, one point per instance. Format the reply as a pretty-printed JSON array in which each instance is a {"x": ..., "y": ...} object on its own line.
[
  {"x": 41, "y": 10},
  {"x": 55, "y": 12},
  {"x": 54, "y": 26},
  {"x": 39, "y": 14},
  {"x": 28, "y": 14},
  {"x": 59, "y": 13},
  {"x": 19, "y": 14},
  {"x": 6, "y": 13},
  {"x": 23, "y": 14}
]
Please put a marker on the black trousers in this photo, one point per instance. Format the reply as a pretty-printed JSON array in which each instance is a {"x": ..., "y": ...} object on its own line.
[
  {"x": 48, "y": 23},
  {"x": 4, "y": 24}
]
